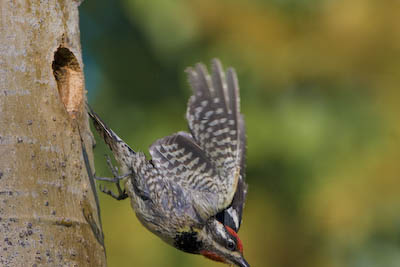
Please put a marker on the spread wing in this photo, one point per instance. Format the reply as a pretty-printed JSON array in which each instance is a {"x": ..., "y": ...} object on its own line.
[
  {"x": 180, "y": 159},
  {"x": 209, "y": 163},
  {"x": 218, "y": 128}
]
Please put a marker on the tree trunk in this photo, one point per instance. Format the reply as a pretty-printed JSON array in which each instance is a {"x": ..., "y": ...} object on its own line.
[{"x": 48, "y": 206}]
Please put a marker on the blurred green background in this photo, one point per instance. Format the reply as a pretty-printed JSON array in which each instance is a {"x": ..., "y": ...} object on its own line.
[{"x": 320, "y": 93}]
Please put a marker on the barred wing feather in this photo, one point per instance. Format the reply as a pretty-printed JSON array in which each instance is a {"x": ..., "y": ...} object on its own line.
[{"x": 218, "y": 128}]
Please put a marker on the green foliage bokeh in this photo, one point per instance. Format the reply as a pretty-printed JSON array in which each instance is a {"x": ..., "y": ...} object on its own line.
[{"x": 319, "y": 91}]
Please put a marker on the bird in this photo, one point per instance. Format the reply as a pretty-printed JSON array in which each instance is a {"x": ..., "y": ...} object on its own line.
[{"x": 191, "y": 193}]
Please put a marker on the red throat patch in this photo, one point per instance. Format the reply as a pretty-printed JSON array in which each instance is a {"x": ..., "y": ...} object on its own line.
[
  {"x": 211, "y": 255},
  {"x": 239, "y": 242}
]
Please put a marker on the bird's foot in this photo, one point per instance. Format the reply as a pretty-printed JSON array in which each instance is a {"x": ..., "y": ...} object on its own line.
[
  {"x": 116, "y": 179},
  {"x": 121, "y": 193}
]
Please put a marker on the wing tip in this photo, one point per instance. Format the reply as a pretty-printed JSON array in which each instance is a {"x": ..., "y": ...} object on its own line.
[
  {"x": 216, "y": 62},
  {"x": 199, "y": 79},
  {"x": 217, "y": 71},
  {"x": 231, "y": 74}
]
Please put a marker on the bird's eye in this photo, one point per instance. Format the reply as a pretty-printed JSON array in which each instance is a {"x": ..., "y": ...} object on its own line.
[{"x": 231, "y": 245}]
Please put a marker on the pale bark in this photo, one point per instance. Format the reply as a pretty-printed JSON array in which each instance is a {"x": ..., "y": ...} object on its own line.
[{"x": 48, "y": 209}]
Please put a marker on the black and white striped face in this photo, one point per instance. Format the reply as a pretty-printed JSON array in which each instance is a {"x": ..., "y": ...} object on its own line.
[
  {"x": 230, "y": 217},
  {"x": 221, "y": 243}
]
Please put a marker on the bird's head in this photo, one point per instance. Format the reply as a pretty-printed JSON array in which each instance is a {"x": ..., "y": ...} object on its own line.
[{"x": 221, "y": 243}]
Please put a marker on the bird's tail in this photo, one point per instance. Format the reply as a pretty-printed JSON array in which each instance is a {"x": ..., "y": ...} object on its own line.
[{"x": 122, "y": 152}]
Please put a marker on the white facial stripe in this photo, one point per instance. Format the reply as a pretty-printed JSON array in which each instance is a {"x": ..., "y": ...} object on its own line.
[
  {"x": 234, "y": 217},
  {"x": 221, "y": 230}
]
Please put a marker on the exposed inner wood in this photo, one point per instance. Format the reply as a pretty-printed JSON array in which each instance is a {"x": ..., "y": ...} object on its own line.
[{"x": 69, "y": 79}]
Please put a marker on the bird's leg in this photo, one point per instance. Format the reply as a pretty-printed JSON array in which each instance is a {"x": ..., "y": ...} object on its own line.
[{"x": 116, "y": 178}]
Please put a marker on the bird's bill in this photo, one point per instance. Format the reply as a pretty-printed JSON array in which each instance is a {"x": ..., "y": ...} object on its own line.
[{"x": 241, "y": 262}]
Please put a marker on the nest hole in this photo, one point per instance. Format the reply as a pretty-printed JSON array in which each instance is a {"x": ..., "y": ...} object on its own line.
[{"x": 69, "y": 77}]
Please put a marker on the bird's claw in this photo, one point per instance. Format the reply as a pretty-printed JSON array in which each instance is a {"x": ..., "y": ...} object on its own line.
[
  {"x": 121, "y": 193},
  {"x": 116, "y": 178}
]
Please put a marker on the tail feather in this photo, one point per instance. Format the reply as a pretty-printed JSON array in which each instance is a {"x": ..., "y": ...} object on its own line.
[{"x": 122, "y": 152}]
